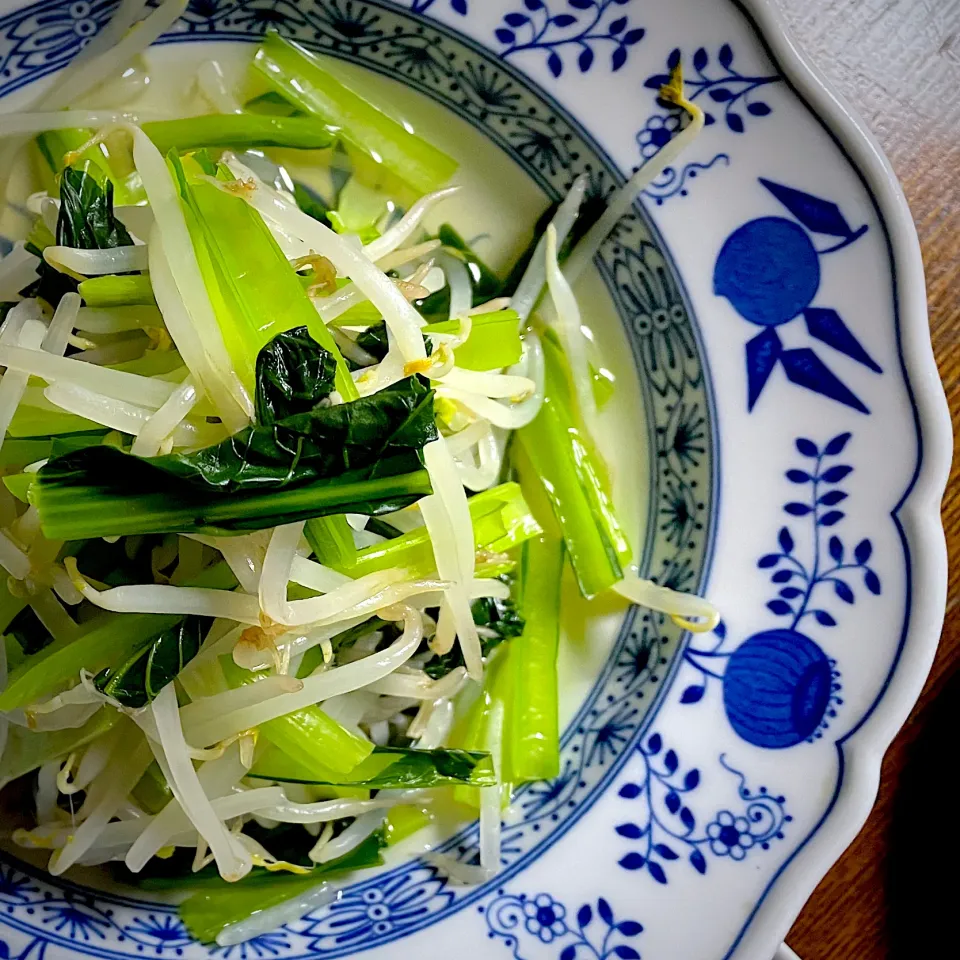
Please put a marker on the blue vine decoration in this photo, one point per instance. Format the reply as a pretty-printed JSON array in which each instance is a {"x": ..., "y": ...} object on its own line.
[
  {"x": 541, "y": 918},
  {"x": 769, "y": 270},
  {"x": 422, "y": 6},
  {"x": 779, "y": 687},
  {"x": 594, "y": 25},
  {"x": 666, "y": 828},
  {"x": 726, "y": 87}
]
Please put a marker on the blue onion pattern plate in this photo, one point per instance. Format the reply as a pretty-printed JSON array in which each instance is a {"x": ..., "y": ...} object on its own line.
[{"x": 793, "y": 444}]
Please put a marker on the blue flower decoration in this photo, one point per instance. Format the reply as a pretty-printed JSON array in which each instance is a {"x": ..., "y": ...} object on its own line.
[
  {"x": 544, "y": 917},
  {"x": 730, "y": 836}
]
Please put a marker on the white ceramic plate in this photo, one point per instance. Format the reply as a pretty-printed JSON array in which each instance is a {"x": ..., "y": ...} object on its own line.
[{"x": 782, "y": 443}]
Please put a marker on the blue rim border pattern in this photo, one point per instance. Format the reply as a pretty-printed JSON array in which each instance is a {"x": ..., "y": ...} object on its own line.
[{"x": 603, "y": 178}]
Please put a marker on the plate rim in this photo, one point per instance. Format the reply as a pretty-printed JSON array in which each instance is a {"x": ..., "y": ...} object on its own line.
[{"x": 917, "y": 514}]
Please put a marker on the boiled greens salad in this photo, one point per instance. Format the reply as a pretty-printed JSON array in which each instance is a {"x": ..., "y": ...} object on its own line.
[{"x": 289, "y": 483}]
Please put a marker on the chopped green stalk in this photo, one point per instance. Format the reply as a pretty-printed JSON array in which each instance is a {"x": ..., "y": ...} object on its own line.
[
  {"x": 54, "y": 145},
  {"x": 566, "y": 467},
  {"x": 71, "y": 509},
  {"x": 117, "y": 291},
  {"x": 36, "y": 416},
  {"x": 10, "y": 606},
  {"x": 28, "y": 749},
  {"x": 15, "y": 654},
  {"x": 404, "y": 821},
  {"x": 110, "y": 637},
  {"x": 26, "y": 451},
  {"x": 331, "y": 540},
  {"x": 312, "y": 739},
  {"x": 501, "y": 521},
  {"x": 300, "y": 77},
  {"x": 255, "y": 291},
  {"x": 206, "y": 914},
  {"x": 494, "y": 340},
  {"x": 386, "y": 768},
  {"x": 152, "y": 792},
  {"x": 240, "y": 131},
  {"x": 359, "y": 210},
  {"x": 486, "y": 284},
  {"x": 531, "y": 731}
]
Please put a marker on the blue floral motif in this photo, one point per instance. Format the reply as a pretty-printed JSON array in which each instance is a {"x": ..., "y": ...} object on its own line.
[
  {"x": 161, "y": 930},
  {"x": 73, "y": 920},
  {"x": 779, "y": 687},
  {"x": 674, "y": 183},
  {"x": 727, "y": 87},
  {"x": 769, "y": 270},
  {"x": 666, "y": 826},
  {"x": 422, "y": 6},
  {"x": 543, "y": 919},
  {"x": 595, "y": 24},
  {"x": 267, "y": 945}
]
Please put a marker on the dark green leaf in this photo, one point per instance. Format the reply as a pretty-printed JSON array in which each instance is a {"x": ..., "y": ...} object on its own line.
[
  {"x": 86, "y": 213},
  {"x": 501, "y": 621},
  {"x": 392, "y": 767},
  {"x": 374, "y": 341},
  {"x": 294, "y": 373},
  {"x": 138, "y": 681},
  {"x": 311, "y": 203}
]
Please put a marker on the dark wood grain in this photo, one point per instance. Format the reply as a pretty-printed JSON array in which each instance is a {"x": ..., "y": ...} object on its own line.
[{"x": 893, "y": 893}]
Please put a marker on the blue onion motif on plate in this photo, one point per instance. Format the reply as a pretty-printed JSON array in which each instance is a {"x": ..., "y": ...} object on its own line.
[
  {"x": 580, "y": 28},
  {"x": 540, "y": 926},
  {"x": 666, "y": 829},
  {"x": 769, "y": 270},
  {"x": 779, "y": 687}
]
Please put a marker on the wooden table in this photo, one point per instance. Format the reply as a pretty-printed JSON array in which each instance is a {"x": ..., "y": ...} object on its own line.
[{"x": 898, "y": 63}]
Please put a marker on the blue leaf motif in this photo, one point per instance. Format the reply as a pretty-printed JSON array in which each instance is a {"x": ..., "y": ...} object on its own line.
[
  {"x": 581, "y": 4},
  {"x": 768, "y": 560},
  {"x": 655, "y": 82},
  {"x": 832, "y": 498},
  {"x": 674, "y": 58},
  {"x": 831, "y": 518},
  {"x": 569, "y": 952},
  {"x": 459, "y": 6},
  {"x": 763, "y": 352},
  {"x": 632, "y": 861},
  {"x": 817, "y": 215},
  {"x": 617, "y": 26},
  {"x": 619, "y": 58},
  {"x": 692, "y": 779},
  {"x": 791, "y": 593},
  {"x": 836, "y": 446},
  {"x": 664, "y": 851},
  {"x": 798, "y": 476},
  {"x": 700, "y": 59},
  {"x": 872, "y": 582},
  {"x": 656, "y": 871},
  {"x": 735, "y": 122},
  {"x": 798, "y": 509},
  {"x": 630, "y": 791},
  {"x": 625, "y": 952},
  {"x": 693, "y": 694},
  {"x": 585, "y": 60},
  {"x": 672, "y": 801},
  {"x": 630, "y": 831},
  {"x": 825, "y": 325},
  {"x": 836, "y": 474},
  {"x": 533, "y": 4},
  {"x": 630, "y": 928},
  {"x": 654, "y": 744},
  {"x": 824, "y": 618},
  {"x": 687, "y": 818},
  {"x": 782, "y": 576},
  {"x": 634, "y": 36},
  {"x": 863, "y": 551},
  {"x": 836, "y": 549},
  {"x": 720, "y": 630},
  {"x": 564, "y": 20},
  {"x": 843, "y": 591},
  {"x": 759, "y": 109},
  {"x": 780, "y": 607},
  {"x": 584, "y": 916},
  {"x": 516, "y": 19},
  {"x": 725, "y": 56},
  {"x": 721, "y": 95},
  {"x": 606, "y": 914},
  {"x": 786, "y": 541},
  {"x": 504, "y": 35},
  {"x": 804, "y": 368},
  {"x": 807, "y": 448},
  {"x": 554, "y": 63},
  {"x": 698, "y": 862},
  {"x": 671, "y": 761}
]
